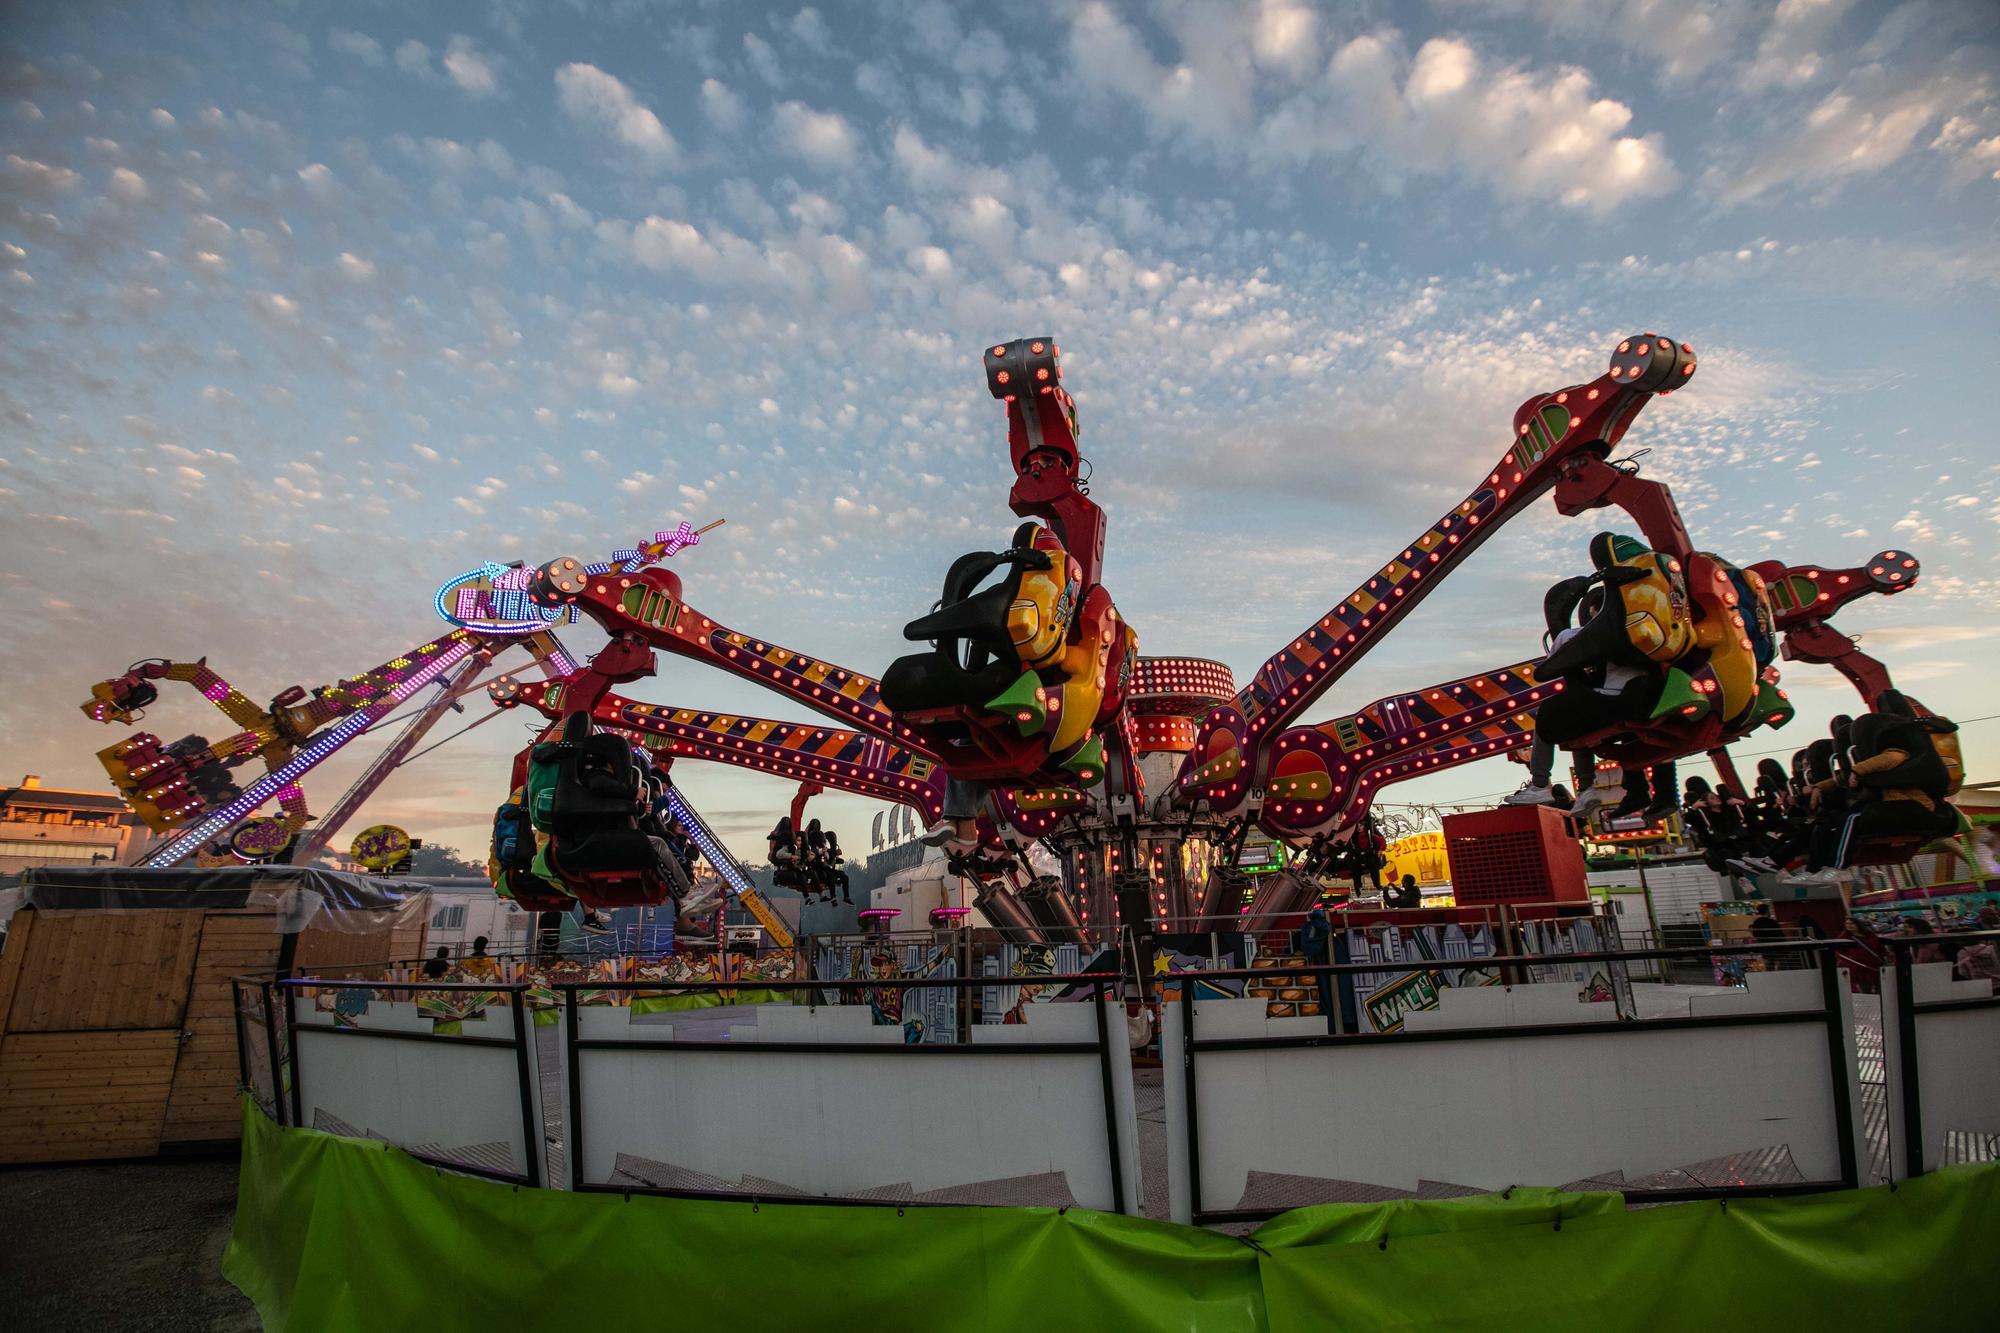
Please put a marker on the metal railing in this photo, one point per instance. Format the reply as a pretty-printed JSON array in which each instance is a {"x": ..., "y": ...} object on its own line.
[
  {"x": 1830, "y": 1014},
  {"x": 288, "y": 1070},
  {"x": 577, "y": 1045},
  {"x": 288, "y": 1067},
  {"x": 1909, "y": 1076}
]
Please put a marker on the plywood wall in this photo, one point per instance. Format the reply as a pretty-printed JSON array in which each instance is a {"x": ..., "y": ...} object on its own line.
[
  {"x": 118, "y": 1028},
  {"x": 204, "y": 1105},
  {"x": 92, "y": 971},
  {"x": 72, "y": 1096},
  {"x": 321, "y": 948}
]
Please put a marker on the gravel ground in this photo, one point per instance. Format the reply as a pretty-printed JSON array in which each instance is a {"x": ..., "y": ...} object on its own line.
[{"x": 132, "y": 1246}]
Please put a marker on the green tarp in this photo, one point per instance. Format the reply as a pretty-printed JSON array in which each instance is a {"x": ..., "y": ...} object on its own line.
[{"x": 336, "y": 1233}]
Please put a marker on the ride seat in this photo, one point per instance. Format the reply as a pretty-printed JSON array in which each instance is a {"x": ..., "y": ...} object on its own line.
[
  {"x": 532, "y": 893},
  {"x": 973, "y": 657},
  {"x": 618, "y": 867},
  {"x": 596, "y": 847},
  {"x": 597, "y": 781}
]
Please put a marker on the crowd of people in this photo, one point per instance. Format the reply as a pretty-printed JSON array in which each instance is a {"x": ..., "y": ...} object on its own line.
[{"x": 1867, "y": 951}]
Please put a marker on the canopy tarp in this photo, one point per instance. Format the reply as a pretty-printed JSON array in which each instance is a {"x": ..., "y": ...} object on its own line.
[{"x": 300, "y": 895}]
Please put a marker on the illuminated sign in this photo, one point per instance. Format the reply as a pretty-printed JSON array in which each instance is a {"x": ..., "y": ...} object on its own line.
[
  {"x": 383, "y": 847},
  {"x": 493, "y": 599},
  {"x": 260, "y": 839}
]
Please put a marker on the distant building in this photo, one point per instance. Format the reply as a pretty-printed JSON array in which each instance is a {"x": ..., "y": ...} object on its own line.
[{"x": 50, "y": 826}]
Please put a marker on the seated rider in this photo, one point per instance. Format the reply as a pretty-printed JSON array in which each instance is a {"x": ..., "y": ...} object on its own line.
[
  {"x": 1714, "y": 821},
  {"x": 821, "y": 864},
  {"x": 785, "y": 859},
  {"x": 834, "y": 861},
  {"x": 1901, "y": 779},
  {"x": 1596, "y": 694},
  {"x": 957, "y": 828}
]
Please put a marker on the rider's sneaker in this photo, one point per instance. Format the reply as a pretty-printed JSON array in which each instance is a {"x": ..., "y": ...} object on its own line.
[
  {"x": 593, "y": 924},
  {"x": 1586, "y": 804},
  {"x": 1531, "y": 793}
]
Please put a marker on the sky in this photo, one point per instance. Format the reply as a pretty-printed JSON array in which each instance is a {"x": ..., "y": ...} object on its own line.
[{"x": 305, "y": 308}]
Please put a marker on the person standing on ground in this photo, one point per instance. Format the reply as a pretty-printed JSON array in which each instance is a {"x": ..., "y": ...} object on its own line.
[
  {"x": 1315, "y": 942},
  {"x": 479, "y": 963}
]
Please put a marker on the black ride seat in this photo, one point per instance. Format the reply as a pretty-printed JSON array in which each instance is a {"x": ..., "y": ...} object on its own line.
[
  {"x": 972, "y": 657},
  {"x": 596, "y": 843}
]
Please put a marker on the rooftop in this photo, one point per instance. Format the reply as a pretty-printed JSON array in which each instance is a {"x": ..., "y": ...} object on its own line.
[{"x": 32, "y": 792}]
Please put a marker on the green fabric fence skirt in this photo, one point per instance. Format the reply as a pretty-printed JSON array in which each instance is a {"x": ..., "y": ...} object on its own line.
[{"x": 335, "y": 1233}]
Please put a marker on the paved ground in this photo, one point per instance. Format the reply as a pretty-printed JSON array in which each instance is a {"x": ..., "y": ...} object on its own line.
[{"x": 119, "y": 1247}]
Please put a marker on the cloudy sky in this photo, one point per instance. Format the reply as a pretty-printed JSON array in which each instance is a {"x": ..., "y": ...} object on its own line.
[{"x": 305, "y": 308}]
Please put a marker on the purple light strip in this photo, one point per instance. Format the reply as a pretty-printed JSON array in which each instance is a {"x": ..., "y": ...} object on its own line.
[{"x": 272, "y": 783}]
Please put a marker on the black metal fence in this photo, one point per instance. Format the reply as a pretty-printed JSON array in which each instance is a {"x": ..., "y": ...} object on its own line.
[
  {"x": 1909, "y": 1074},
  {"x": 287, "y": 1071},
  {"x": 1830, "y": 1014},
  {"x": 271, "y": 1005}
]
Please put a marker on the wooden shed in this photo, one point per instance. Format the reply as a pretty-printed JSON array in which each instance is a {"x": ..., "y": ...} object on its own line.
[{"x": 117, "y": 1031}]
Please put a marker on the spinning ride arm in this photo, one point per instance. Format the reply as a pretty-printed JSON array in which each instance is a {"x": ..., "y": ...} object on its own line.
[
  {"x": 1566, "y": 430},
  {"x": 645, "y": 605},
  {"x": 1026, "y": 375},
  {"x": 838, "y": 759},
  {"x": 370, "y": 698},
  {"x": 1322, "y": 776},
  {"x": 547, "y": 651},
  {"x": 1805, "y": 597}
]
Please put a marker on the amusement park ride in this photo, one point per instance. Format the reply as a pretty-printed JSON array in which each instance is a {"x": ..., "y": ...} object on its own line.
[{"x": 1142, "y": 775}]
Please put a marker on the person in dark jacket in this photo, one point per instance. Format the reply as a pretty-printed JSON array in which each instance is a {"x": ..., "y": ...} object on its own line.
[{"x": 1315, "y": 942}]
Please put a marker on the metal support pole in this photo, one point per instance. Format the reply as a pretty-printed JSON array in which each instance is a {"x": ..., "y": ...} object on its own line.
[
  {"x": 573, "y": 1112},
  {"x": 292, "y": 1045},
  {"x": 1111, "y": 1136},
  {"x": 242, "y": 1051},
  {"x": 1836, "y": 1061},
  {"x": 1906, "y": 1064},
  {"x": 1193, "y": 1123},
  {"x": 271, "y": 1052},
  {"x": 528, "y": 1071}
]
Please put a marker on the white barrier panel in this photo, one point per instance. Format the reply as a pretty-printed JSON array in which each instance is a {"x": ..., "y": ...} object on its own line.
[
  {"x": 1500, "y": 1111},
  {"x": 1957, "y": 1065},
  {"x": 903, "y": 1124},
  {"x": 443, "y": 1097}
]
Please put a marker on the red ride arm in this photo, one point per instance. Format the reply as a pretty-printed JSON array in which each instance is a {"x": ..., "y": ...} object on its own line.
[
  {"x": 1805, "y": 597},
  {"x": 647, "y": 604},
  {"x": 1551, "y": 430},
  {"x": 1026, "y": 375},
  {"x": 838, "y": 759}
]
